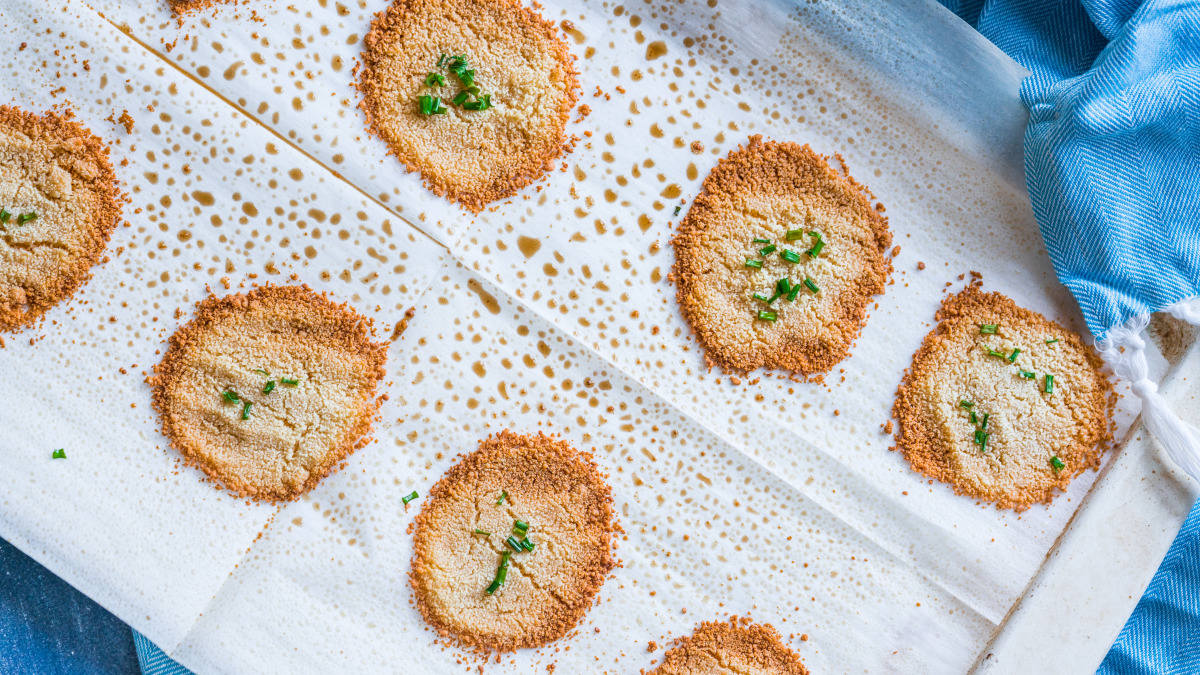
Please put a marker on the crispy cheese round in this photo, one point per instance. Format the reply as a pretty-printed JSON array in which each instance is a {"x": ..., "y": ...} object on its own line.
[
  {"x": 734, "y": 646},
  {"x": 977, "y": 410},
  {"x": 59, "y": 203},
  {"x": 537, "y": 480},
  {"x": 734, "y": 244},
  {"x": 473, "y": 157},
  {"x": 269, "y": 391}
]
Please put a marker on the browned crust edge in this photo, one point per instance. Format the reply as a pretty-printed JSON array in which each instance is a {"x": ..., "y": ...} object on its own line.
[
  {"x": 758, "y": 637},
  {"x": 535, "y": 167},
  {"x": 923, "y": 454},
  {"x": 354, "y": 326},
  {"x": 497, "y": 446},
  {"x": 854, "y": 312},
  {"x": 104, "y": 221}
]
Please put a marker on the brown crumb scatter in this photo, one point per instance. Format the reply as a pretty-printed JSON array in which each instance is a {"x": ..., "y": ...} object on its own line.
[
  {"x": 697, "y": 147},
  {"x": 920, "y": 265},
  {"x": 733, "y": 646},
  {"x": 1026, "y": 427}
]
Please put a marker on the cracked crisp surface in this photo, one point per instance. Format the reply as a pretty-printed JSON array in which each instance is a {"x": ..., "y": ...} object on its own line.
[
  {"x": 734, "y": 647},
  {"x": 471, "y": 157},
  {"x": 762, "y": 190},
  {"x": 1027, "y": 426},
  {"x": 295, "y": 435},
  {"x": 52, "y": 166},
  {"x": 560, "y": 493}
]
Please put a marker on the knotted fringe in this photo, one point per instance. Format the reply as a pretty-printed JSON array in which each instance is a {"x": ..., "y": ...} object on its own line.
[{"x": 1124, "y": 349}]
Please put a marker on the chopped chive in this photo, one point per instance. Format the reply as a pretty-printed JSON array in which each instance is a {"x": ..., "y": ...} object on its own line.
[
  {"x": 973, "y": 418},
  {"x": 983, "y": 422},
  {"x": 410, "y": 497},
  {"x": 425, "y": 103},
  {"x": 501, "y": 574},
  {"x": 473, "y": 105},
  {"x": 988, "y": 328},
  {"x": 793, "y": 235},
  {"x": 270, "y": 386},
  {"x": 26, "y": 217},
  {"x": 230, "y": 395},
  {"x": 993, "y": 352},
  {"x": 1057, "y": 463},
  {"x": 1013, "y": 356},
  {"x": 812, "y": 286},
  {"x": 767, "y": 250},
  {"x": 59, "y": 454},
  {"x": 1026, "y": 374},
  {"x": 483, "y": 532},
  {"x": 441, "y": 61},
  {"x": 435, "y": 80},
  {"x": 677, "y": 209},
  {"x": 783, "y": 286},
  {"x": 983, "y": 443},
  {"x": 966, "y": 404},
  {"x": 526, "y": 544},
  {"x": 753, "y": 263},
  {"x": 4, "y": 215},
  {"x": 289, "y": 381},
  {"x": 520, "y": 525},
  {"x": 513, "y": 543},
  {"x": 790, "y": 256},
  {"x": 816, "y": 249},
  {"x": 774, "y": 296},
  {"x": 246, "y": 410},
  {"x": 460, "y": 98},
  {"x": 503, "y": 494},
  {"x": 791, "y": 296},
  {"x": 767, "y": 316},
  {"x": 1050, "y": 342},
  {"x": 761, "y": 298},
  {"x": 1049, "y": 389},
  {"x": 979, "y": 437},
  {"x": 260, "y": 370},
  {"x": 815, "y": 234},
  {"x": 760, "y": 240}
]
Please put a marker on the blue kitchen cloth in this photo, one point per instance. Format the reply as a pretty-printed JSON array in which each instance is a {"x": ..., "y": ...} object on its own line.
[{"x": 153, "y": 660}]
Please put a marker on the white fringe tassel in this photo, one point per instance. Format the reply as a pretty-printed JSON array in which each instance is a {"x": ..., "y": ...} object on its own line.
[{"x": 1124, "y": 349}]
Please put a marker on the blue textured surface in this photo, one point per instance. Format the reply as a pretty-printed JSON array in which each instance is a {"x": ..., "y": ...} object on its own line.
[
  {"x": 49, "y": 628},
  {"x": 155, "y": 661}
]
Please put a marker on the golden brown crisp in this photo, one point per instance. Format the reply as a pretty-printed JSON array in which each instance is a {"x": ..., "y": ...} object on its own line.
[
  {"x": 181, "y": 7},
  {"x": 471, "y": 157},
  {"x": 301, "y": 371},
  {"x": 57, "y": 171},
  {"x": 561, "y": 495},
  {"x": 762, "y": 191},
  {"x": 733, "y": 647},
  {"x": 1026, "y": 428}
]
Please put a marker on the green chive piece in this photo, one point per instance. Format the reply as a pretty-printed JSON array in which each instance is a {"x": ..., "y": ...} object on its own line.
[
  {"x": 790, "y": 256},
  {"x": 774, "y": 296},
  {"x": 966, "y": 404},
  {"x": 793, "y": 235},
  {"x": 461, "y": 98},
  {"x": 993, "y": 352},
  {"x": 1050, "y": 342},
  {"x": 816, "y": 249},
  {"x": 26, "y": 217},
  {"x": 501, "y": 574},
  {"x": 270, "y": 386},
  {"x": 1026, "y": 374},
  {"x": 753, "y": 263},
  {"x": 812, "y": 286},
  {"x": 760, "y": 240},
  {"x": 435, "y": 80},
  {"x": 983, "y": 422},
  {"x": 1049, "y": 389},
  {"x": 983, "y": 443},
  {"x": 791, "y": 296},
  {"x": 973, "y": 418},
  {"x": 483, "y": 532},
  {"x": 526, "y": 544},
  {"x": 783, "y": 286},
  {"x": 246, "y": 410},
  {"x": 260, "y": 370},
  {"x": 503, "y": 494},
  {"x": 230, "y": 395},
  {"x": 767, "y": 250},
  {"x": 978, "y": 437},
  {"x": 409, "y": 497},
  {"x": 1013, "y": 356},
  {"x": 761, "y": 298},
  {"x": 4, "y": 215},
  {"x": 989, "y": 329},
  {"x": 473, "y": 105},
  {"x": 514, "y": 543},
  {"x": 1057, "y": 463},
  {"x": 677, "y": 209},
  {"x": 520, "y": 525},
  {"x": 815, "y": 234},
  {"x": 441, "y": 61},
  {"x": 425, "y": 103},
  {"x": 289, "y": 381},
  {"x": 767, "y": 316},
  {"x": 59, "y": 454}
]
